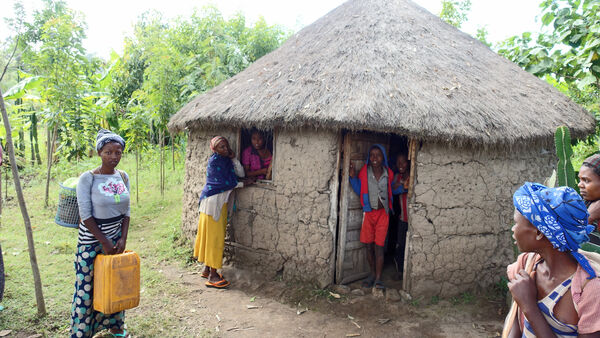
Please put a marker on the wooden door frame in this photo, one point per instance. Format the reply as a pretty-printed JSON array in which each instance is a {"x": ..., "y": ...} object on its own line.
[
  {"x": 413, "y": 145},
  {"x": 343, "y": 214},
  {"x": 343, "y": 210}
]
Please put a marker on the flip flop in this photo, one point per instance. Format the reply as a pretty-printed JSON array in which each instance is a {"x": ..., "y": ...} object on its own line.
[
  {"x": 368, "y": 283},
  {"x": 379, "y": 285},
  {"x": 124, "y": 334},
  {"x": 217, "y": 285},
  {"x": 204, "y": 274}
]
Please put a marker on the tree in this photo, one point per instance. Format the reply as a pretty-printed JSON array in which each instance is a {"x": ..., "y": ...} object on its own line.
[
  {"x": 39, "y": 294},
  {"x": 454, "y": 12},
  {"x": 59, "y": 32},
  {"x": 569, "y": 47}
]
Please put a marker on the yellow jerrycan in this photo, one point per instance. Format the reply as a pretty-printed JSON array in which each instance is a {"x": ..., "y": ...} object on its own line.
[{"x": 116, "y": 282}]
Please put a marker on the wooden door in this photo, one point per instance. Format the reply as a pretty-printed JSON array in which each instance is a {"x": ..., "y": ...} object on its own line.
[{"x": 351, "y": 262}]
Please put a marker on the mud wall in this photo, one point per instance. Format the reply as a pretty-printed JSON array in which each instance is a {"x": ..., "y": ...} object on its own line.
[
  {"x": 285, "y": 228},
  {"x": 459, "y": 234}
]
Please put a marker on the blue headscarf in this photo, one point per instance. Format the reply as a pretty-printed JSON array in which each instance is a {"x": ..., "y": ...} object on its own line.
[
  {"x": 560, "y": 214},
  {"x": 106, "y": 136},
  {"x": 220, "y": 176}
]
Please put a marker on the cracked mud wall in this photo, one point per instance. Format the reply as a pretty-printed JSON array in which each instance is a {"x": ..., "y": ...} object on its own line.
[
  {"x": 285, "y": 228},
  {"x": 460, "y": 219}
]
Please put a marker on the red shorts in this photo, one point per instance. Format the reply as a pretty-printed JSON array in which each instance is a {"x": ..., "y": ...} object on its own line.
[{"x": 374, "y": 227}]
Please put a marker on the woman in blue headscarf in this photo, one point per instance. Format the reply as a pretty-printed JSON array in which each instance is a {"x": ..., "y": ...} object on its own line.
[
  {"x": 222, "y": 174},
  {"x": 550, "y": 225}
]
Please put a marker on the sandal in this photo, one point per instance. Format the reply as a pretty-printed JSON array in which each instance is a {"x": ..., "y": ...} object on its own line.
[
  {"x": 124, "y": 334},
  {"x": 368, "y": 283},
  {"x": 204, "y": 274},
  {"x": 220, "y": 284},
  {"x": 379, "y": 285}
]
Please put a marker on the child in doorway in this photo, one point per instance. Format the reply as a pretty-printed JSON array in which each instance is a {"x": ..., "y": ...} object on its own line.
[
  {"x": 374, "y": 187},
  {"x": 399, "y": 219}
]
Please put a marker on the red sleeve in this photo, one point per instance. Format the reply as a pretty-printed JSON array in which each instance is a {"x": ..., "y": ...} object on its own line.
[{"x": 588, "y": 307}]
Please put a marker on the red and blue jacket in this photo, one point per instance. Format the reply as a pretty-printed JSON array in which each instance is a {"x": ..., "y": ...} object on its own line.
[{"x": 360, "y": 184}]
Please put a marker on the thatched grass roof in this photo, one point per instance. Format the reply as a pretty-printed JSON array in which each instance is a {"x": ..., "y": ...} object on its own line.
[{"x": 388, "y": 66}]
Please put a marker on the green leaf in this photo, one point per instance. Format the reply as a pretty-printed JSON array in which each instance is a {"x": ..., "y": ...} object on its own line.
[
  {"x": 19, "y": 90},
  {"x": 547, "y": 18},
  {"x": 587, "y": 80}
]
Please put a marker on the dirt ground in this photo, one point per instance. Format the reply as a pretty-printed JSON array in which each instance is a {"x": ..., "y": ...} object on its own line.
[{"x": 253, "y": 308}]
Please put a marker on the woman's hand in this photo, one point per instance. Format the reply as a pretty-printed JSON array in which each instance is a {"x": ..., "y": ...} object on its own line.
[
  {"x": 351, "y": 171},
  {"x": 120, "y": 246},
  {"x": 524, "y": 290},
  {"x": 108, "y": 248}
]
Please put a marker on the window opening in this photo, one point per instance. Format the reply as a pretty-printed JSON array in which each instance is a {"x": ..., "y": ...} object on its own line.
[{"x": 257, "y": 155}]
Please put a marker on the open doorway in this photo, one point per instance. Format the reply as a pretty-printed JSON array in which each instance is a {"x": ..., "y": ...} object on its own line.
[{"x": 351, "y": 264}]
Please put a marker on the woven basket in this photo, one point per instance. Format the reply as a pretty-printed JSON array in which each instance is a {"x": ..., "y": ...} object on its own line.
[{"x": 67, "y": 214}]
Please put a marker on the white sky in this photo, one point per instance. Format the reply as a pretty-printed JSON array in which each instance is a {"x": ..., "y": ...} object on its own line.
[{"x": 110, "y": 20}]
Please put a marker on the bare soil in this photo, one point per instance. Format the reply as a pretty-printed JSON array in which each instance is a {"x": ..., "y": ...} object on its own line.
[{"x": 251, "y": 307}]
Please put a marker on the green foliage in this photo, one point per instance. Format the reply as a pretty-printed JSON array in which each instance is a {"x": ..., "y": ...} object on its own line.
[
  {"x": 482, "y": 35},
  {"x": 566, "y": 54},
  {"x": 164, "y": 65},
  {"x": 455, "y": 12},
  {"x": 567, "y": 50},
  {"x": 564, "y": 167},
  {"x": 463, "y": 298}
]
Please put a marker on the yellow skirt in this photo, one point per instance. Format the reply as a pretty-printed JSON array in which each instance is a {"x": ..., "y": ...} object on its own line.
[{"x": 210, "y": 240}]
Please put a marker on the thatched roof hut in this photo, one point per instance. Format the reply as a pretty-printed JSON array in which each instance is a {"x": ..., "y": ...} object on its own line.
[
  {"x": 388, "y": 66},
  {"x": 475, "y": 126}
]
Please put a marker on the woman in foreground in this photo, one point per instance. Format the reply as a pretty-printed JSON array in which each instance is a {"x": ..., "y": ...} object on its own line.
[
  {"x": 559, "y": 297},
  {"x": 103, "y": 200}
]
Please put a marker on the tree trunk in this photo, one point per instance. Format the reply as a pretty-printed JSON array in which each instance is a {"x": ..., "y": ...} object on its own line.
[
  {"x": 0, "y": 194},
  {"x": 137, "y": 167},
  {"x": 50, "y": 152},
  {"x": 32, "y": 160},
  {"x": 39, "y": 295},
  {"x": 34, "y": 133},
  {"x": 162, "y": 164}
]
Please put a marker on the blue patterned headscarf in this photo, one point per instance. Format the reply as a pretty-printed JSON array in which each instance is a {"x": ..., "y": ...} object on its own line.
[
  {"x": 560, "y": 214},
  {"x": 106, "y": 136},
  {"x": 220, "y": 176}
]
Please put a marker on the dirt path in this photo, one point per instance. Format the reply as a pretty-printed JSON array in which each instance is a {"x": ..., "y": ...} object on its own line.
[{"x": 255, "y": 309}]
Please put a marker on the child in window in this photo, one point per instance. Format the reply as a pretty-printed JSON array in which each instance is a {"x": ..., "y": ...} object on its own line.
[{"x": 257, "y": 158}]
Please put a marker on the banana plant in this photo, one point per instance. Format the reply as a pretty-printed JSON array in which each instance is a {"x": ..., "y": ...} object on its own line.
[{"x": 564, "y": 167}]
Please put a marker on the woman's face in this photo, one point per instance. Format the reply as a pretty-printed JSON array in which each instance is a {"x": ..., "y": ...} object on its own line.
[
  {"x": 524, "y": 233},
  {"x": 258, "y": 142},
  {"x": 589, "y": 184},
  {"x": 223, "y": 148},
  {"x": 111, "y": 154}
]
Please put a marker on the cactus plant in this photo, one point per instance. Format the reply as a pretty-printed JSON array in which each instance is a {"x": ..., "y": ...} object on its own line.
[{"x": 564, "y": 168}]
